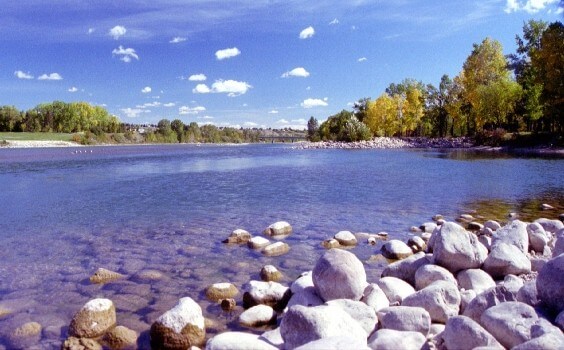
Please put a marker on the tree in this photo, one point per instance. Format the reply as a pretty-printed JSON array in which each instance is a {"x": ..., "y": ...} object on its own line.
[
  {"x": 10, "y": 119},
  {"x": 313, "y": 129},
  {"x": 178, "y": 127},
  {"x": 496, "y": 101},
  {"x": 381, "y": 116},
  {"x": 344, "y": 126},
  {"x": 437, "y": 102},
  {"x": 359, "y": 108}
]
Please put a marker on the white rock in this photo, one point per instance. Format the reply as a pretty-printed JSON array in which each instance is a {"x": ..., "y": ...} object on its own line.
[
  {"x": 428, "y": 227},
  {"x": 359, "y": 311},
  {"x": 405, "y": 269},
  {"x": 395, "y": 289},
  {"x": 268, "y": 293},
  {"x": 389, "y": 339},
  {"x": 258, "y": 315},
  {"x": 280, "y": 228},
  {"x": 428, "y": 274},
  {"x": 506, "y": 259},
  {"x": 492, "y": 225},
  {"x": 339, "y": 274},
  {"x": 304, "y": 281},
  {"x": 475, "y": 279},
  {"x": 550, "y": 284},
  {"x": 238, "y": 236},
  {"x": 396, "y": 249},
  {"x": 510, "y": 323},
  {"x": 514, "y": 233},
  {"x": 346, "y": 238},
  {"x": 528, "y": 294},
  {"x": 375, "y": 297},
  {"x": 276, "y": 249},
  {"x": 335, "y": 343},
  {"x": 457, "y": 249},
  {"x": 463, "y": 333},
  {"x": 485, "y": 300},
  {"x": 441, "y": 299},
  {"x": 95, "y": 318},
  {"x": 238, "y": 340},
  {"x": 183, "y": 325},
  {"x": 405, "y": 318},
  {"x": 302, "y": 325},
  {"x": 551, "y": 226},
  {"x": 417, "y": 244},
  {"x": 544, "y": 342},
  {"x": 305, "y": 297},
  {"x": 538, "y": 237},
  {"x": 273, "y": 337},
  {"x": 466, "y": 297},
  {"x": 559, "y": 321},
  {"x": 258, "y": 242},
  {"x": 559, "y": 245}
]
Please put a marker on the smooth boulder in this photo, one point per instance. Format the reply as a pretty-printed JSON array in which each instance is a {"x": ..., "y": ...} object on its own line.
[
  {"x": 180, "y": 327},
  {"x": 395, "y": 289},
  {"x": 475, "y": 279},
  {"x": 280, "y": 228},
  {"x": 456, "y": 249},
  {"x": 345, "y": 238},
  {"x": 339, "y": 274},
  {"x": 94, "y": 319},
  {"x": 270, "y": 273},
  {"x": 238, "y": 236},
  {"x": 359, "y": 311},
  {"x": 441, "y": 299},
  {"x": 258, "y": 315},
  {"x": 510, "y": 323},
  {"x": 238, "y": 340},
  {"x": 405, "y": 269},
  {"x": 268, "y": 293},
  {"x": 389, "y": 339},
  {"x": 223, "y": 290},
  {"x": 375, "y": 297},
  {"x": 463, "y": 333},
  {"x": 396, "y": 249},
  {"x": 428, "y": 274},
  {"x": 276, "y": 249},
  {"x": 550, "y": 284},
  {"x": 506, "y": 259},
  {"x": 405, "y": 318}
]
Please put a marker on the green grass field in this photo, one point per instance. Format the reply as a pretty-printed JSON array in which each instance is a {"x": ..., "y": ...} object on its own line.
[{"x": 35, "y": 136}]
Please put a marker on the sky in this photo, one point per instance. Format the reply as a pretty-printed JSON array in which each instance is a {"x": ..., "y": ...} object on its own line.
[{"x": 241, "y": 63}]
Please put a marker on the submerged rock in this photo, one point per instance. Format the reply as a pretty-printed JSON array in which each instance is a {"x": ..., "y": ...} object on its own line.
[
  {"x": 276, "y": 249},
  {"x": 238, "y": 236},
  {"x": 218, "y": 291},
  {"x": 270, "y": 273},
  {"x": 104, "y": 276},
  {"x": 280, "y": 228},
  {"x": 26, "y": 335},
  {"x": 346, "y": 238},
  {"x": 121, "y": 338}
]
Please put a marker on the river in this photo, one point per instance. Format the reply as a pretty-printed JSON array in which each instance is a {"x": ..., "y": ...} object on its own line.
[{"x": 67, "y": 211}]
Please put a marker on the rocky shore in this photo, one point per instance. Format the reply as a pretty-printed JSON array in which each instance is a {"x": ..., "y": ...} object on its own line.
[
  {"x": 463, "y": 284},
  {"x": 39, "y": 144},
  {"x": 391, "y": 143}
]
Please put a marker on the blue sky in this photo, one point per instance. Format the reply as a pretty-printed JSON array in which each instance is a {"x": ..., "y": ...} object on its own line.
[{"x": 248, "y": 63}]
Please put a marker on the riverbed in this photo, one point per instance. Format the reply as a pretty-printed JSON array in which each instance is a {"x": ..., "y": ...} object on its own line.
[{"x": 164, "y": 210}]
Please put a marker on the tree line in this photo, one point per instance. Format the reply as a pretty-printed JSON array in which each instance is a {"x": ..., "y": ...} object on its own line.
[{"x": 523, "y": 91}]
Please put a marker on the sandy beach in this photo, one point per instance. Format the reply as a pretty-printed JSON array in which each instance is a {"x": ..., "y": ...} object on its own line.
[{"x": 37, "y": 144}]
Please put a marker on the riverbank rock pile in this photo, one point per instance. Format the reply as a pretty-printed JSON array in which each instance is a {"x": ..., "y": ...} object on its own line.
[
  {"x": 460, "y": 286},
  {"x": 391, "y": 143}
]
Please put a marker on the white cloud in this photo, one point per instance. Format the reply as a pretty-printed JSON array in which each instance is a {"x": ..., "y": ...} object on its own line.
[
  {"x": 250, "y": 124},
  {"x": 198, "y": 77},
  {"x": 73, "y": 89},
  {"x": 333, "y": 22},
  {"x": 52, "y": 76},
  {"x": 282, "y": 121},
  {"x": 170, "y": 104},
  {"x": 22, "y": 75},
  {"x": 273, "y": 112},
  {"x": 146, "y": 90},
  {"x": 126, "y": 54},
  {"x": 149, "y": 104},
  {"x": 188, "y": 110},
  {"x": 296, "y": 72},
  {"x": 117, "y": 32},
  {"x": 177, "y": 40},
  {"x": 299, "y": 121},
  {"x": 560, "y": 10},
  {"x": 530, "y": 6},
  {"x": 133, "y": 112},
  {"x": 227, "y": 53},
  {"x": 308, "y": 88},
  {"x": 307, "y": 33},
  {"x": 362, "y": 59},
  {"x": 230, "y": 87},
  {"x": 314, "y": 102},
  {"x": 91, "y": 30},
  {"x": 206, "y": 117}
]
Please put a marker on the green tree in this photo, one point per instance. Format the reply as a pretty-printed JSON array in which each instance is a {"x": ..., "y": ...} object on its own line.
[
  {"x": 313, "y": 129},
  {"x": 178, "y": 127},
  {"x": 10, "y": 119},
  {"x": 360, "y": 107},
  {"x": 344, "y": 126}
]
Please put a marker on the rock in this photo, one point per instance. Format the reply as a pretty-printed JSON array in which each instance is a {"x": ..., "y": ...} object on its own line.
[
  {"x": 437, "y": 217},
  {"x": 492, "y": 225},
  {"x": 414, "y": 229},
  {"x": 258, "y": 315},
  {"x": 104, "y": 276},
  {"x": 466, "y": 296},
  {"x": 330, "y": 243},
  {"x": 304, "y": 281},
  {"x": 270, "y": 273},
  {"x": 506, "y": 259},
  {"x": 512, "y": 283},
  {"x": 375, "y": 297},
  {"x": 73, "y": 343},
  {"x": 280, "y": 228},
  {"x": 395, "y": 289},
  {"x": 559, "y": 321},
  {"x": 258, "y": 242},
  {"x": 545, "y": 206},
  {"x": 389, "y": 339},
  {"x": 26, "y": 335},
  {"x": 396, "y": 249},
  {"x": 486, "y": 241},
  {"x": 428, "y": 227},
  {"x": 456, "y": 249},
  {"x": 346, "y": 238},
  {"x": 359, "y": 311},
  {"x": 228, "y": 304},
  {"x": 465, "y": 218},
  {"x": 94, "y": 319},
  {"x": 463, "y": 333},
  {"x": 273, "y": 337},
  {"x": 149, "y": 275},
  {"x": 441, "y": 299},
  {"x": 405, "y": 318},
  {"x": 238, "y": 340},
  {"x": 475, "y": 226},
  {"x": 339, "y": 274},
  {"x": 417, "y": 244},
  {"x": 335, "y": 343},
  {"x": 559, "y": 245},
  {"x": 238, "y": 236},
  {"x": 551, "y": 226},
  {"x": 537, "y": 262},
  {"x": 181, "y": 327},
  {"x": 302, "y": 325},
  {"x": 372, "y": 240},
  {"x": 546, "y": 341},
  {"x": 550, "y": 284},
  {"x": 268, "y": 293},
  {"x": 405, "y": 269},
  {"x": 514, "y": 233},
  {"x": 475, "y": 279},
  {"x": 276, "y": 249},
  {"x": 218, "y": 291},
  {"x": 538, "y": 238},
  {"x": 121, "y": 338},
  {"x": 528, "y": 294},
  {"x": 305, "y": 297},
  {"x": 510, "y": 322},
  {"x": 485, "y": 300},
  {"x": 428, "y": 274}
]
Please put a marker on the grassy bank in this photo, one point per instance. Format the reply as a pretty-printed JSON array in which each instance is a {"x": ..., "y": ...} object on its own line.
[{"x": 34, "y": 136}]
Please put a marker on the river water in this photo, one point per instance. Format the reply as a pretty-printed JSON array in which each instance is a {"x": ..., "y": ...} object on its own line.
[{"x": 64, "y": 212}]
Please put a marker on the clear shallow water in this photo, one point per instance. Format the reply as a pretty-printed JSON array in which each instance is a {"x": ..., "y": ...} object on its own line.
[{"x": 64, "y": 214}]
